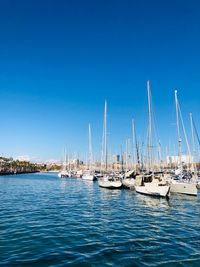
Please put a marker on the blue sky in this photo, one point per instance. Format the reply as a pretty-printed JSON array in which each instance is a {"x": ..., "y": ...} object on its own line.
[{"x": 59, "y": 60}]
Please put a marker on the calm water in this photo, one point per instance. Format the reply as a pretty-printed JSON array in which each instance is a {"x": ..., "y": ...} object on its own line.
[{"x": 45, "y": 221}]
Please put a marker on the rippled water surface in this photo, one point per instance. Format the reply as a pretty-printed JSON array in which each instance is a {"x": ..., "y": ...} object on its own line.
[{"x": 46, "y": 221}]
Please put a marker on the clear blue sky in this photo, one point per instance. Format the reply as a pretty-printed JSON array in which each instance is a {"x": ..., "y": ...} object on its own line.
[{"x": 59, "y": 60}]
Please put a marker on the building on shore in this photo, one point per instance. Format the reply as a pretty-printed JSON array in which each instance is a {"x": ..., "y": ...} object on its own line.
[{"x": 175, "y": 160}]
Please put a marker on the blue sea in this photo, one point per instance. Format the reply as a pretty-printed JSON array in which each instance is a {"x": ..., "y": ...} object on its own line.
[{"x": 48, "y": 221}]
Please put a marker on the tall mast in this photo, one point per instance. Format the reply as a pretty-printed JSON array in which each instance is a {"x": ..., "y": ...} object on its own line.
[
  {"x": 159, "y": 155},
  {"x": 65, "y": 159},
  {"x": 126, "y": 155},
  {"x": 193, "y": 143},
  {"x": 197, "y": 135},
  {"x": 122, "y": 160},
  {"x": 136, "y": 156},
  {"x": 102, "y": 149},
  {"x": 178, "y": 128},
  {"x": 134, "y": 144},
  {"x": 105, "y": 135},
  {"x": 150, "y": 126},
  {"x": 90, "y": 147},
  {"x": 141, "y": 154},
  {"x": 192, "y": 132},
  {"x": 129, "y": 154},
  {"x": 69, "y": 166}
]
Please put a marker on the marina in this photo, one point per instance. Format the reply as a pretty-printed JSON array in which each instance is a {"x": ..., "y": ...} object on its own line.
[
  {"x": 149, "y": 178},
  {"x": 100, "y": 133}
]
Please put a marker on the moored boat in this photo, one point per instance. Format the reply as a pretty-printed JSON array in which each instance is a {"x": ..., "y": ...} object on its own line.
[
  {"x": 109, "y": 183},
  {"x": 129, "y": 183},
  {"x": 89, "y": 176},
  {"x": 64, "y": 174},
  {"x": 89, "y": 173},
  {"x": 155, "y": 186},
  {"x": 183, "y": 182},
  {"x": 153, "y": 189},
  {"x": 129, "y": 180},
  {"x": 181, "y": 187}
]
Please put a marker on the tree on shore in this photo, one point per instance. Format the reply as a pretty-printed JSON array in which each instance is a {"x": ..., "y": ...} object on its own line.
[{"x": 9, "y": 165}]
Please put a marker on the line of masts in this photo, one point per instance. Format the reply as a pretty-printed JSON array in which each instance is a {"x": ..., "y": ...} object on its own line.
[{"x": 137, "y": 158}]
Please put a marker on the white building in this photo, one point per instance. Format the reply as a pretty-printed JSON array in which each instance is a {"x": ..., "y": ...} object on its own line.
[{"x": 185, "y": 159}]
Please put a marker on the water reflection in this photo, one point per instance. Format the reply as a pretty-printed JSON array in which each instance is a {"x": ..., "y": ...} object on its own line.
[
  {"x": 63, "y": 185},
  {"x": 108, "y": 194},
  {"x": 153, "y": 202}
]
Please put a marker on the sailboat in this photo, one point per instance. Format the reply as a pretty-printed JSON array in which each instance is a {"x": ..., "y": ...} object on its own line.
[
  {"x": 64, "y": 172},
  {"x": 107, "y": 181},
  {"x": 155, "y": 187},
  {"x": 182, "y": 183},
  {"x": 89, "y": 173},
  {"x": 195, "y": 176},
  {"x": 129, "y": 175}
]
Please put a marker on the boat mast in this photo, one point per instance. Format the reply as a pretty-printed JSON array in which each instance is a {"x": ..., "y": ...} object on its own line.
[
  {"x": 65, "y": 160},
  {"x": 102, "y": 150},
  {"x": 178, "y": 129},
  {"x": 193, "y": 144},
  {"x": 69, "y": 166},
  {"x": 122, "y": 160},
  {"x": 159, "y": 155},
  {"x": 136, "y": 156},
  {"x": 150, "y": 126},
  {"x": 126, "y": 155},
  {"x": 197, "y": 136},
  {"x": 105, "y": 136},
  {"x": 192, "y": 132},
  {"x": 134, "y": 144},
  {"x": 90, "y": 147}
]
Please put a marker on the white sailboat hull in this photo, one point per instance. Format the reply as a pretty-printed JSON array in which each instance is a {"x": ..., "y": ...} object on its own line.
[
  {"x": 63, "y": 174},
  {"x": 88, "y": 177},
  {"x": 110, "y": 184},
  {"x": 198, "y": 185},
  {"x": 79, "y": 174},
  {"x": 129, "y": 183},
  {"x": 197, "y": 180},
  {"x": 152, "y": 189},
  {"x": 183, "y": 188}
]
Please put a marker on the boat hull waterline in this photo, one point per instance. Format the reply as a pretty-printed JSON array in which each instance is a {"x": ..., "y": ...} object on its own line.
[
  {"x": 153, "y": 190},
  {"x": 129, "y": 183},
  {"x": 110, "y": 184},
  {"x": 183, "y": 188},
  {"x": 88, "y": 177}
]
